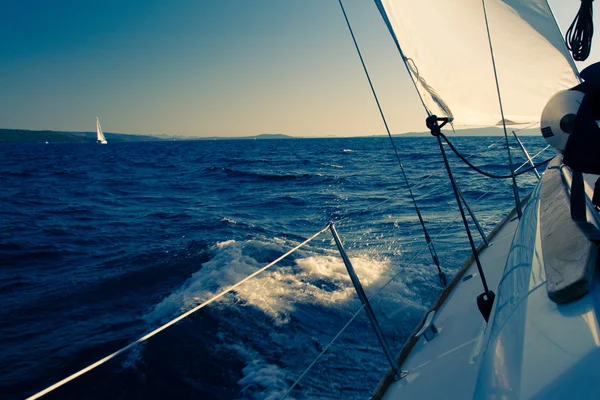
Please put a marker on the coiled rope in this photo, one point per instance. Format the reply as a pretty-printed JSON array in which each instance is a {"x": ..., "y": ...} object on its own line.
[
  {"x": 173, "y": 321},
  {"x": 579, "y": 35}
]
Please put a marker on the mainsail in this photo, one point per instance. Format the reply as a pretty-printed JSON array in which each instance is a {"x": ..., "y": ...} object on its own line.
[
  {"x": 446, "y": 49},
  {"x": 99, "y": 135}
]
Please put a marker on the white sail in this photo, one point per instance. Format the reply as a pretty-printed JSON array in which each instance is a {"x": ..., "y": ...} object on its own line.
[
  {"x": 446, "y": 48},
  {"x": 99, "y": 135}
]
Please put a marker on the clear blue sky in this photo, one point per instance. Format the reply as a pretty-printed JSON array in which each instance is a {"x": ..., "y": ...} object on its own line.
[{"x": 205, "y": 67}]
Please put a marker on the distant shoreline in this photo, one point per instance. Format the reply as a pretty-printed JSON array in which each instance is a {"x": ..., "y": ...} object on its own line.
[{"x": 33, "y": 136}]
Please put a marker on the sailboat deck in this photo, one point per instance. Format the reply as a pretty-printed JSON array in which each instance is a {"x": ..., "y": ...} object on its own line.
[{"x": 445, "y": 367}]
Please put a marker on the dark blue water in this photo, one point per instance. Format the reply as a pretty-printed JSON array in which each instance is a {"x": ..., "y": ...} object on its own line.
[{"x": 101, "y": 244}]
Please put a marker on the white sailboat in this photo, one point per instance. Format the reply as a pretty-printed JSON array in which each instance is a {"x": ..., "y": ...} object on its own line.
[
  {"x": 100, "y": 139},
  {"x": 534, "y": 332}
]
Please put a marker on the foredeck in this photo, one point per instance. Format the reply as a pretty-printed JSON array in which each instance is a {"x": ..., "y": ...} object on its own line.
[{"x": 445, "y": 367}]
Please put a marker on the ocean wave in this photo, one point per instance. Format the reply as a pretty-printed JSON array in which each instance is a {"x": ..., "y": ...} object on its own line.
[
  {"x": 236, "y": 173},
  {"x": 265, "y": 176},
  {"x": 229, "y": 221},
  {"x": 133, "y": 245},
  {"x": 18, "y": 174},
  {"x": 303, "y": 302},
  {"x": 263, "y": 381},
  {"x": 315, "y": 279},
  {"x": 168, "y": 215},
  {"x": 332, "y": 165},
  {"x": 286, "y": 200}
]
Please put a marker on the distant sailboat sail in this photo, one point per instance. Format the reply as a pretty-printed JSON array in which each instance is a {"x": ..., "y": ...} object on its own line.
[
  {"x": 99, "y": 135},
  {"x": 445, "y": 47}
]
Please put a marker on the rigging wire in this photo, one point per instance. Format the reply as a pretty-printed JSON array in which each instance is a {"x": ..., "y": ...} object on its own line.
[
  {"x": 486, "y": 299},
  {"x": 579, "y": 35},
  {"x": 510, "y": 161},
  {"x": 443, "y": 279}
]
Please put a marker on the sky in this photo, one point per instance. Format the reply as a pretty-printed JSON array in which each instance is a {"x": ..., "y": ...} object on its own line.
[{"x": 206, "y": 67}]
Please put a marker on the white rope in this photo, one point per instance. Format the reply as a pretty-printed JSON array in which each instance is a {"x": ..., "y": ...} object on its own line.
[{"x": 168, "y": 324}]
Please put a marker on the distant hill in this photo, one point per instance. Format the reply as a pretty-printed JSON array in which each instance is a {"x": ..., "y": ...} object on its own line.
[
  {"x": 27, "y": 136},
  {"x": 255, "y": 137},
  {"x": 490, "y": 131},
  {"x": 272, "y": 136}
]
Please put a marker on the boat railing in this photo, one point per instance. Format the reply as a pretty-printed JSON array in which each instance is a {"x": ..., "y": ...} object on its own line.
[{"x": 365, "y": 300}]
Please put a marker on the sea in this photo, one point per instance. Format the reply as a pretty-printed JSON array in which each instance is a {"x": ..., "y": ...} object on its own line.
[{"x": 100, "y": 245}]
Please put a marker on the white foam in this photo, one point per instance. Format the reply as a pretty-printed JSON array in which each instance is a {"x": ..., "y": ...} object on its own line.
[
  {"x": 332, "y": 165},
  {"x": 311, "y": 279},
  {"x": 220, "y": 245},
  {"x": 316, "y": 279},
  {"x": 263, "y": 381}
]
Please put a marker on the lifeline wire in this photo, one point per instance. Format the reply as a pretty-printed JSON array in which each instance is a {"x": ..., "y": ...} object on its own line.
[
  {"x": 173, "y": 321},
  {"x": 434, "y": 256}
]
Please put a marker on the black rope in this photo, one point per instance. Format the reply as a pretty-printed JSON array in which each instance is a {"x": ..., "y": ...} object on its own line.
[
  {"x": 442, "y": 276},
  {"x": 579, "y": 35},
  {"x": 489, "y": 175},
  {"x": 486, "y": 299}
]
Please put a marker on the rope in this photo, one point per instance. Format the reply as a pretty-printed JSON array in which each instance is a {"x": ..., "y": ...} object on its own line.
[
  {"x": 434, "y": 256},
  {"x": 490, "y": 175},
  {"x": 579, "y": 35},
  {"x": 432, "y": 123},
  {"x": 173, "y": 321}
]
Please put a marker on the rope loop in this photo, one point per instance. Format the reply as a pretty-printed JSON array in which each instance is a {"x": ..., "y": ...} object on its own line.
[{"x": 484, "y": 173}]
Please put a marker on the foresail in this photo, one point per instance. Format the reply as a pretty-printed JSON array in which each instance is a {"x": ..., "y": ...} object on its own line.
[{"x": 446, "y": 49}]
